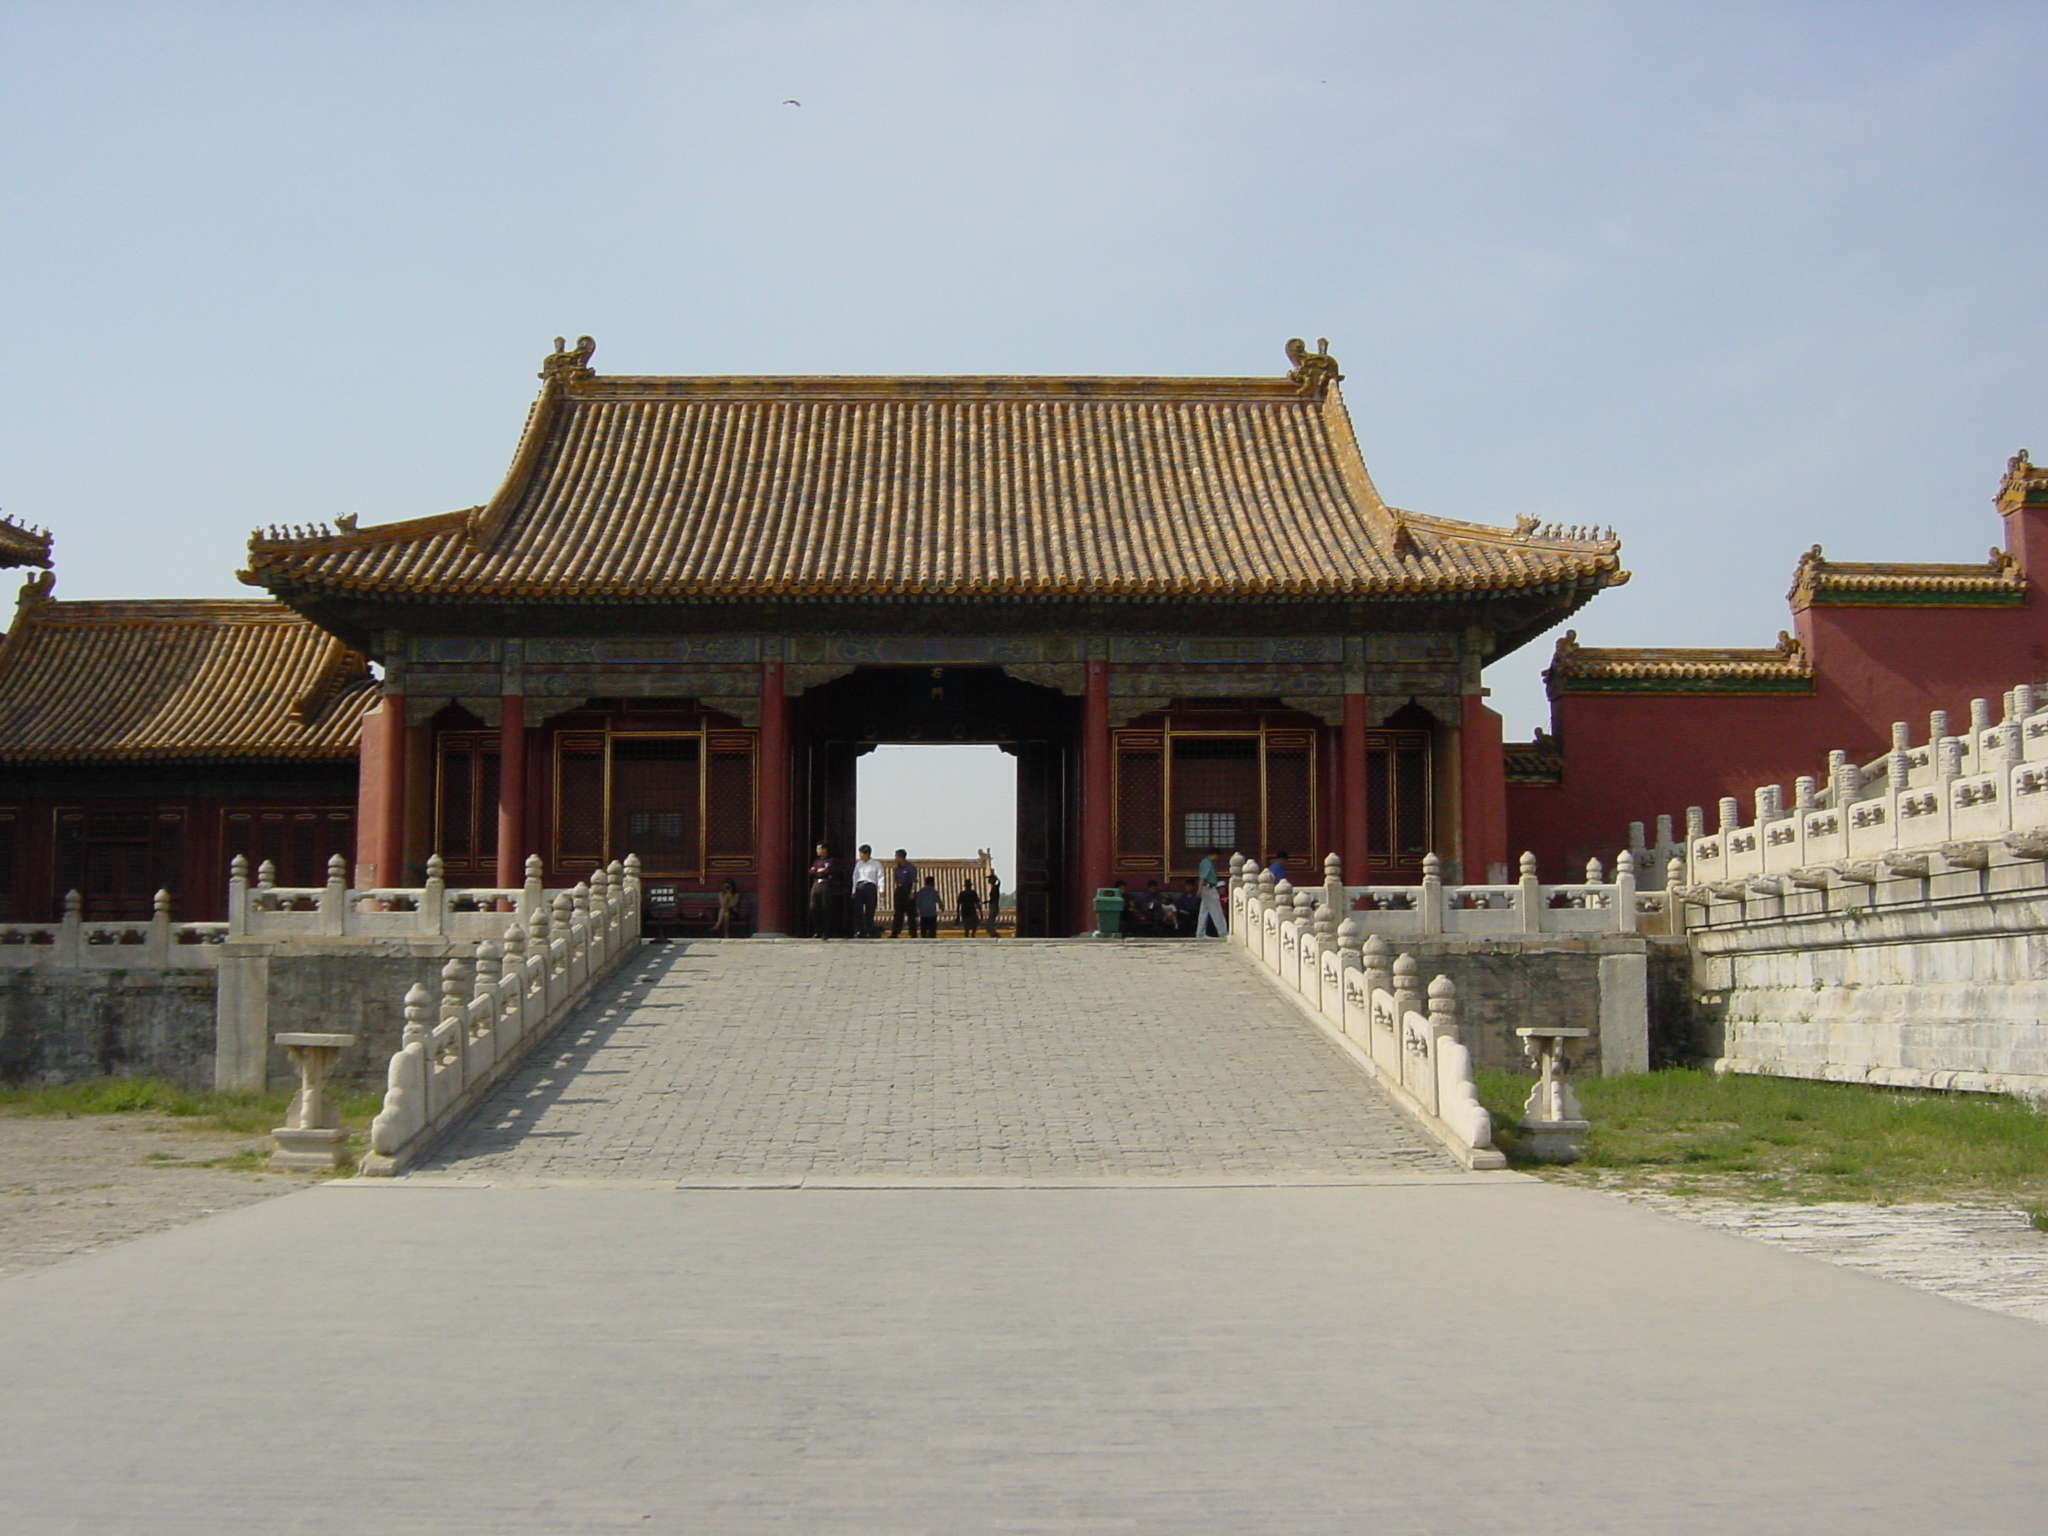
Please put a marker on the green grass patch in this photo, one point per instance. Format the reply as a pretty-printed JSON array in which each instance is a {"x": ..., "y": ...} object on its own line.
[
  {"x": 240, "y": 1114},
  {"x": 1786, "y": 1138}
]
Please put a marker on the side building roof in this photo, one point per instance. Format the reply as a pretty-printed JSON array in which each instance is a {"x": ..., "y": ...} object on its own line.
[
  {"x": 685, "y": 490},
  {"x": 1576, "y": 668},
  {"x": 236, "y": 680}
]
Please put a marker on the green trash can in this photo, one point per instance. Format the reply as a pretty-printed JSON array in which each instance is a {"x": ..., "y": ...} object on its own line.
[{"x": 1109, "y": 913}]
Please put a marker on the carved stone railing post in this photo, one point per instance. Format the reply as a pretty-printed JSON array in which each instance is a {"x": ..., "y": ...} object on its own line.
[
  {"x": 157, "y": 951},
  {"x": 1625, "y": 893},
  {"x": 1553, "y": 1127},
  {"x": 311, "y": 1139},
  {"x": 71, "y": 931},
  {"x": 530, "y": 898},
  {"x": 334, "y": 899},
  {"x": 1529, "y": 895},
  {"x": 432, "y": 916},
  {"x": 1335, "y": 902},
  {"x": 1430, "y": 900},
  {"x": 238, "y": 895}
]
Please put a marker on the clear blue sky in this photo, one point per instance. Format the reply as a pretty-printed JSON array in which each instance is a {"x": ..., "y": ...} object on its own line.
[{"x": 1733, "y": 278}]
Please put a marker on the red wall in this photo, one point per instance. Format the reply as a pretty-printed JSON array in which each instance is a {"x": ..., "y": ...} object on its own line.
[{"x": 1635, "y": 756}]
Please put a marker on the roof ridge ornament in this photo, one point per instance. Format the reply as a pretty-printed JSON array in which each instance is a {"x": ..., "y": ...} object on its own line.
[
  {"x": 569, "y": 365},
  {"x": 1313, "y": 372}
]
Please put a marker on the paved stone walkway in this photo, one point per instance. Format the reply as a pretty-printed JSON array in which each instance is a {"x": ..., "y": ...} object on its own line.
[{"x": 950, "y": 1060}]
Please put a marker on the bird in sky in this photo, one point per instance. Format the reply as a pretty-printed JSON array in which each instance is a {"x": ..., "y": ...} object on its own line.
[{"x": 791, "y": 102}]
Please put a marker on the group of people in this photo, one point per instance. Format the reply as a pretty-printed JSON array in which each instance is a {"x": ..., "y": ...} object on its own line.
[
  {"x": 1190, "y": 908},
  {"x": 915, "y": 900}
]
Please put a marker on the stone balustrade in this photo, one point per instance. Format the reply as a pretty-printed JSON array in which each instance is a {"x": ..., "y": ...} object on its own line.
[
  {"x": 338, "y": 910},
  {"x": 74, "y": 944},
  {"x": 1528, "y": 907},
  {"x": 1370, "y": 1004},
  {"x": 496, "y": 1004},
  {"x": 1969, "y": 802}
]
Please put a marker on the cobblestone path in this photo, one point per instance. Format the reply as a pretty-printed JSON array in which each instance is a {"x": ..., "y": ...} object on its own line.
[{"x": 948, "y": 1060}]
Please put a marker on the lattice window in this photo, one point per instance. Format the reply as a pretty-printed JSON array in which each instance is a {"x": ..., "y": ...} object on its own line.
[
  {"x": 729, "y": 801},
  {"x": 466, "y": 802},
  {"x": 1290, "y": 803},
  {"x": 1140, "y": 802},
  {"x": 1215, "y": 797},
  {"x": 1397, "y": 800},
  {"x": 655, "y": 800},
  {"x": 579, "y": 799}
]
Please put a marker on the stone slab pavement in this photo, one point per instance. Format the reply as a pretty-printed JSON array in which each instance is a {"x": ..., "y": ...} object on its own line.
[
  {"x": 942, "y": 1060},
  {"x": 1435, "y": 1356}
]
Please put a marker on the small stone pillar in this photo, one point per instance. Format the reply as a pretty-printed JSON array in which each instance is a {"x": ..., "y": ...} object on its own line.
[
  {"x": 1553, "y": 1127},
  {"x": 311, "y": 1139}
]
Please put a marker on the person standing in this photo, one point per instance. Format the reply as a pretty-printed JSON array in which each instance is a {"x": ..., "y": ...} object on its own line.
[
  {"x": 820, "y": 877},
  {"x": 926, "y": 903},
  {"x": 970, "y": 909},
  {"x": 904, "y": 912},
  {"x": 728, "y": 909},
  {"x": 867, "y": 885},
  {"x": 1211, "y": 912},
  {"x": 993, "y": 911},
  {"x": 1278, "y": 868}
]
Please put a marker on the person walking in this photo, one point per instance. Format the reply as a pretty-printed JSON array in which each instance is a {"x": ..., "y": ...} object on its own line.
[
  {"x": 926, "y": 903},
  {"x": 867, "y": 885},
  {"x": 904, "y": 912},
  {"x": 820, "y": 877},
  {"x": 1210, "y": 915},
  {"x": 970, "y": 909}
]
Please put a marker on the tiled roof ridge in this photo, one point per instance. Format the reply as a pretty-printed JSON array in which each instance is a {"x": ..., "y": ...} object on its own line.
[
  {"x": 2024, "y": 482},
  {"x": 1785, "y": 659},
  {"x": 1817, "y": 578},
  {"x": 155, "y": 612}
]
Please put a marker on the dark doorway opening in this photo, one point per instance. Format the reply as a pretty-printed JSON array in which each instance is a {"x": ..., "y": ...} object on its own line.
[{"x": 840, "y": 720}]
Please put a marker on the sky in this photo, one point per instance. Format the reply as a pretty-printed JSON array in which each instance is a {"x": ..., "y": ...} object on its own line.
[{"x": 1735, "y": 279}]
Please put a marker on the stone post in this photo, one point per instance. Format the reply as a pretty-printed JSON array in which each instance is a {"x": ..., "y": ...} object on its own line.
[
  {"x": 71, "y": 932},
  {"x": 432, "y": 916},
  {"x": 1529, "y": 895},
  {"x": 311, "y": 1139},
  {"x": 1335, "y": 902},
  {"x": 529, "y": 898},
  {"x": 157, "y": 951},
  {"x": 238, "y": 895},
  {"x": 1625, "y": 893},
  {"x": 334, "y": 899},
  {"x": 1898, "y": 770},
  {"x": 1553, "y": 1127},
  {"x": 1432, "y": 894}
]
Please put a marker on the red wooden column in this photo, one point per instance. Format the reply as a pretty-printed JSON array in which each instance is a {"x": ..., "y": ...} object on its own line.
[
  {"x": 772, "y": 856},
  {"x": 512, "y": 849},
  {"x": 1095, "y": 789},
  {"x": 1351, "y": 797},
  {"x": 380, "y": 795}
]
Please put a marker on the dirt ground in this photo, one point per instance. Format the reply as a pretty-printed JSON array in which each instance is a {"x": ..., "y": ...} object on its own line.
[{"x": 69, "y": 1185}]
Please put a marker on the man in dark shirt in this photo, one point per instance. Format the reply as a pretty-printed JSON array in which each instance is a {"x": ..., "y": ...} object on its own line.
[
  {"x": 905, "y": 911},
  {"x": 820, "y": 877}
]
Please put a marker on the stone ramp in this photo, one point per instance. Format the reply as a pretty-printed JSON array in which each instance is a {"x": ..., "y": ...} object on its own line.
[{"x": 936, "y": 1061}]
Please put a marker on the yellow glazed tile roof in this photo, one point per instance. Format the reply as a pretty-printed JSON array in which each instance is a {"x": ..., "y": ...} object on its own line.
[
  {"x": 242, "y": 679},
  {"x": 1820, "y": 582},
  {"x": 652, "y": 489},
  {"x": 22, "y": 545},
  {"x": 1576, "y": 668}
]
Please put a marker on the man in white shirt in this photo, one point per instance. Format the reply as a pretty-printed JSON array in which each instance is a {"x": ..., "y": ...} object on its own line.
[{"x": 867, "y": 885}]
